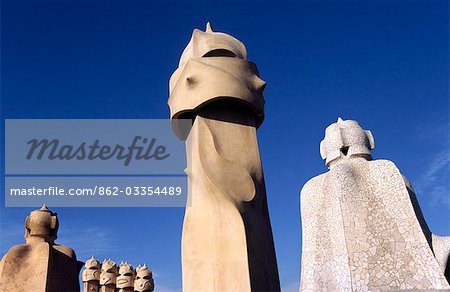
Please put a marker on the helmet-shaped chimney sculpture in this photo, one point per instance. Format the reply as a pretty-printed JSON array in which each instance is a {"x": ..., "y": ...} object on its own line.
[
  {"x": 214, "y": 67},
  {"x": 144, "y": 279},
  {"x": 91, "y": 275},
  {"x": 346, "y": 139},
  {"x": 92, "y": 270},
  {"x": 227, "y": 242},
  {"x": 42, "y": 223},
  {"x": 108, "y": 276},
  {"x": 40, "y": 265},
  {"x": 125, "y": 279},
  {"x": 362, "y": 227}
]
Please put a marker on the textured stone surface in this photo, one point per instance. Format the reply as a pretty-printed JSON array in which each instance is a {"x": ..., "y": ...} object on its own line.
[
  {"x": 108, "y": 277},
  {"x": 227, "y": 240},
  {"x": 40, "y": 265},
  {"x": 441, "y": 248},
  {"x": 91, "y": 275},
  {"x": 144, "y": 279},
  {"x": 212, "y": 68},
  {"x": 125, "y": 278},
  {"x": 361, "y": 230}
]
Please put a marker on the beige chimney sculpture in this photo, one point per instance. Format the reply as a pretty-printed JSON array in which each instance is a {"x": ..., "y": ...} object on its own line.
[
  {"x": 91, "y": 275},
  {"x": 362, "y": 228},
  {"x": 144, "y": 279},
  {"x": 118, "y": 279},
  {"x": 227, "y": 242},
  {"x": 108, "y": 276},
  {"x": 40, "y": 265},
  {"x": 125, "y": 279}
]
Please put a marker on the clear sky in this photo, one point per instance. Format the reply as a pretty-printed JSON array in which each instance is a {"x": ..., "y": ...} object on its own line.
[{"x": 382, "y": 63}]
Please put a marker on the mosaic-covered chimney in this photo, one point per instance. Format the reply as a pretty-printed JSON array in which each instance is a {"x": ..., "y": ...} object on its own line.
[{"x": 362, "y": 227}]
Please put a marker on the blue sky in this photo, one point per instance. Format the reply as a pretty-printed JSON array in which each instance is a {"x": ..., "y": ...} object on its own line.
[{"x": 383, "y": 63}]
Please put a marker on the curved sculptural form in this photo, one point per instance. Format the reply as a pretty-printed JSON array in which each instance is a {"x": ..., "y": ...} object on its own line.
[
  {"x": 40, "y": 265},
  {"x": 108, "y": 276},
  {"x": 125, "y": 279},
  {"x": 227, "y": 242},
  {"x": 362, "y": 227},
  {"x": 144, "y": 279},
  {"x": 91, "y": 275}
]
